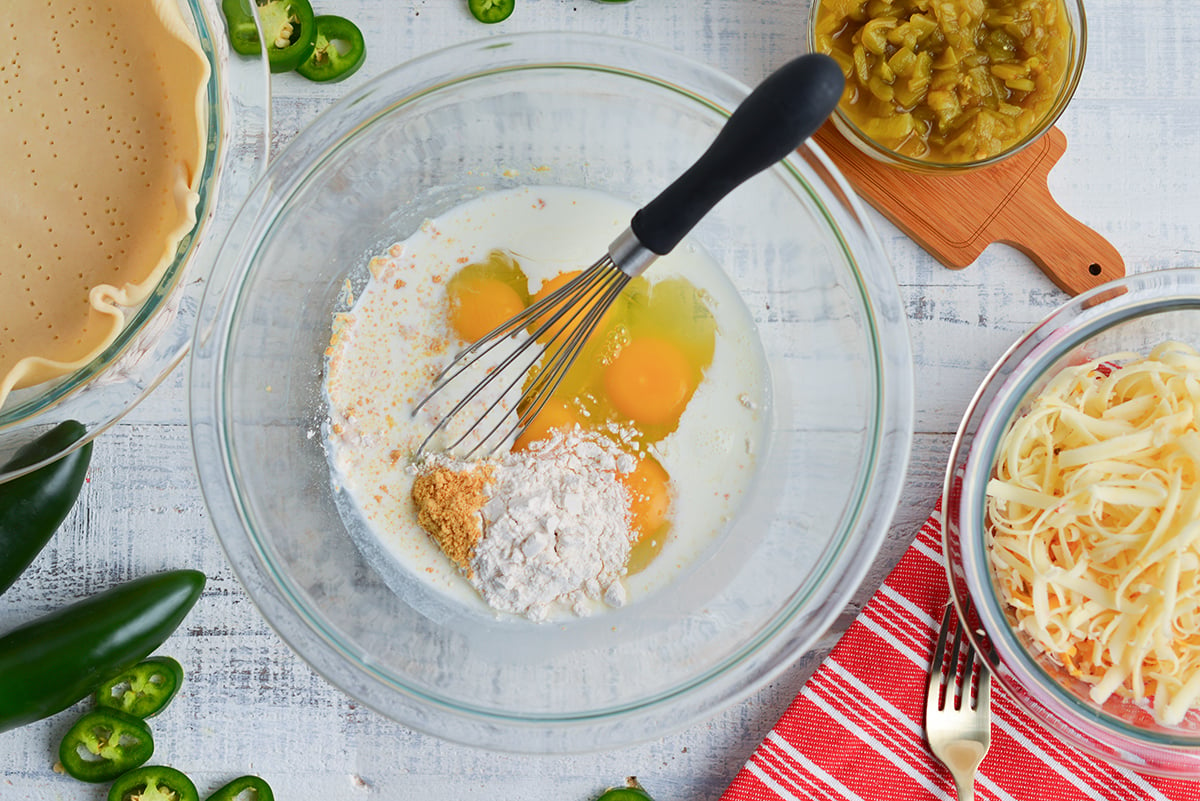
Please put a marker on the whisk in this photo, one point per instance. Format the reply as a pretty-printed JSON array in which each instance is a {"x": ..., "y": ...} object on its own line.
[{"x": 781, "y": 112}]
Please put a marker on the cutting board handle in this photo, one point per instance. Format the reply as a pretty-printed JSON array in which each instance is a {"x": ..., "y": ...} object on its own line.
[
  {"x": 1075, "y": 257},
  {"x": 956, "y": 215}
]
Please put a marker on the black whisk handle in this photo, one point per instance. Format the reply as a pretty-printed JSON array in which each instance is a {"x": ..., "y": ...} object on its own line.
[{"x": 781, "y": 112}]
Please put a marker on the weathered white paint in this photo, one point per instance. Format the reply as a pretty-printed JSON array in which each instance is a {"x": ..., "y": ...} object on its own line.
[{"x": 1132, "y": 170}]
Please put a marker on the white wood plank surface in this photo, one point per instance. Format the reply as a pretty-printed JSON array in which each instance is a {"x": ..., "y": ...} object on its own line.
[{"x": 1131, "y": 170}]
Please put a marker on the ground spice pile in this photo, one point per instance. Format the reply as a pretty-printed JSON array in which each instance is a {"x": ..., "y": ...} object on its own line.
[
  {"x": 448, "y": 507},
  {"x": 537, "y": 529}
]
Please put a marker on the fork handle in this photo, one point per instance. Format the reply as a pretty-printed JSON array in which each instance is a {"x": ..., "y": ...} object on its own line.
[
  {"x": 775, "y": 119},
  {"x": 962, "y": 760}
]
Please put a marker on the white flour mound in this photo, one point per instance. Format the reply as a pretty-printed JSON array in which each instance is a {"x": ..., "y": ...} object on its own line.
[{"x": 556, "y": 529}]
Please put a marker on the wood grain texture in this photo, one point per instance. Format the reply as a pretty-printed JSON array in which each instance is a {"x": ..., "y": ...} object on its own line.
[
  {"x": 1131, "y": 173},
  {"x": 955, "y": 216}
]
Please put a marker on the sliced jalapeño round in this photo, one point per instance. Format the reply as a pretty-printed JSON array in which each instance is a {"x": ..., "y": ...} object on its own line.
[
  {"x": 243, "y": 33},
  {"x": 289, "y": 30},
  {"x": 143, "y": 690},
  {"x": 103, "y": 744},
  {"x": 244, "y": 788},
  {"x": 339, "y": 51},
  {"x": 491, "y": 11},
  {"x": 625, "y": 794},
  {"x": 154, "y": 783}
]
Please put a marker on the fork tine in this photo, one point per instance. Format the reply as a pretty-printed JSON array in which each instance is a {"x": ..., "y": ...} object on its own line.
[
  {"x": 983, "y": 686},
  {"x": 960, "y": 668},
  {"x": 937, "y": 669},
  {"x": 975, "y": 686}
]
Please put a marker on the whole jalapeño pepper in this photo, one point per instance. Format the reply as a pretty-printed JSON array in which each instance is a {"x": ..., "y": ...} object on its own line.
[
  {"x": 33, "y": 506},
  {"x": 103, "y": 744},
  {"x": 51, "y": 662}
]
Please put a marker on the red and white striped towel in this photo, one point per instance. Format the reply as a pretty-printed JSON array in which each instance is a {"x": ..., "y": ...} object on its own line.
[{"x": 856, "y": 729}]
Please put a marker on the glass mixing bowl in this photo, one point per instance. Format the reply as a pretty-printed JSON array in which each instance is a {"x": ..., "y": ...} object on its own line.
[
  {"x": 577, "y": 110},
  {"x": 1132, "y": 314},
  {"x": 158, "y": 332},
  {"x": 854, "y": 133}
]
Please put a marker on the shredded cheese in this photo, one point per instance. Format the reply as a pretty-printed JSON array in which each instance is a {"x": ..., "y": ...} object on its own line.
[{"x": 1094, "y": 526}]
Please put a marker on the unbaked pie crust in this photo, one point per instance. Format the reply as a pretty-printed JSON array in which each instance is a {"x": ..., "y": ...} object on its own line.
[{"x": 102, "y": 144}]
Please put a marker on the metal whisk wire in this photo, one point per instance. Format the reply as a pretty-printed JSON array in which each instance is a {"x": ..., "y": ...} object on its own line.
[
  {"x": 589, "y": 294},
  {"x": 783, "y": 111},
  {"x": 608, "y": 283}
]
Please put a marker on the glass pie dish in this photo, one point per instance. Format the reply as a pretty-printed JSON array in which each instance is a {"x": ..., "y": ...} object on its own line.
[{"x": 158, "y": 331}]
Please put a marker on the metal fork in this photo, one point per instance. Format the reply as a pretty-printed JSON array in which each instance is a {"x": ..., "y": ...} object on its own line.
[{"x": 958, "y": 720}]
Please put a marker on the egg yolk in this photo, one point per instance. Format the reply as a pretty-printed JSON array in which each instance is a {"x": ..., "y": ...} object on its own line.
[
  {"x": 555, "y": 415},
  {"x": 480, "y": 304},
  {"x": 569, "y": 318},
  {"x": 635, "y": 375},
  {"x": 649, "y": 497},
  {"x": 649, "y": 381}
]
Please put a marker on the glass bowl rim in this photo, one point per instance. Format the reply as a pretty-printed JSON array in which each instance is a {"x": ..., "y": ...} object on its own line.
[
  {"x": 247, "y": 552},
  {"x": 245, "y": 83},
  {"x": 856, "y": 136},
  {"x": 989, "y": 414}
]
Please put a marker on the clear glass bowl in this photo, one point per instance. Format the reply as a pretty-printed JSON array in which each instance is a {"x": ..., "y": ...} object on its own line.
[
  {"x": 577, "y": 110},
  {"x": 1132, "y": 314},
  {"x": 859, "y": 138},
  {"x": 159, "y": 331}
]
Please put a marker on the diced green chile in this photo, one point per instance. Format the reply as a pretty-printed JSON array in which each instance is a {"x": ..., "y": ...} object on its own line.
[
  {"x": 143, "y": 690},
  {"x": 491, "y": 11},
  {"x": 339, "y": 52},
  {"x": 103, "y": 744},
  {"x": 258, "y": 789},
  {"x": 154, "y": 783},
  {"x": 33, "y": 506},
  {"x": 51, "y": 662},
  {"x": 289, "y": 30}
]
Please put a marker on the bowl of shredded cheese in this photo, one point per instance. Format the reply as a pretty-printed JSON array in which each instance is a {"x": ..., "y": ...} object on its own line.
[
  {"x": 121, "y": 182},
  {"x": 1072, "y": 521}
]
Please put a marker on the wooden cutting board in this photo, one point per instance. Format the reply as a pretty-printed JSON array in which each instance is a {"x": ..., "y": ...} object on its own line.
[{"x": 955, "y": 217}]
